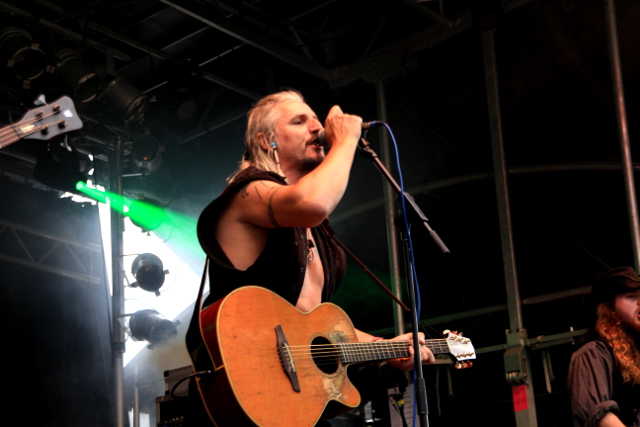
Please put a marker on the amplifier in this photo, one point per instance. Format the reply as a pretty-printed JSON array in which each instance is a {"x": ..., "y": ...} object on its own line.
[{"x": 184, "y": 408}]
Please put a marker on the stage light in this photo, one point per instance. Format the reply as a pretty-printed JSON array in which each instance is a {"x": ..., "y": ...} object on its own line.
[
  {"x": 125, "y": 98},
  {"x": 148, "y": 325},
  {"x": 146, "y": 154},
  {"x": 76, "y": 76},
  {"x": 149, "y": 273},
  {"x": 19, "y": 53},
  {"x": 147, "y": 214}
]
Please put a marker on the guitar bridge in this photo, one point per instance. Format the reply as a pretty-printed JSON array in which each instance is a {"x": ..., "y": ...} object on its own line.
[{"x": 286, "y": 358}]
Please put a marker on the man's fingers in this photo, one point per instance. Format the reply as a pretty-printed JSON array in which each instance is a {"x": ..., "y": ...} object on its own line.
[{"x": 334, "y": 111}]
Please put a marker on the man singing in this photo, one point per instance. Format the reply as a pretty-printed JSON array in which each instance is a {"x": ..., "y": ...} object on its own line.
[
  {"x": 604, "y": 375},
  {"x": 269, "y": 227}
]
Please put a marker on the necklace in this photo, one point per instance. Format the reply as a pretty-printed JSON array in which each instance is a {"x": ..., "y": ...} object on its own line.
[{"x": 310, "y": 254}]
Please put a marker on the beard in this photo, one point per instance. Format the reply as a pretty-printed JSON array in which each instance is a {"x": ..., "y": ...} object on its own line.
[
  {"x": 307, "y": 164},
  {"x": 631, "y": 327}
]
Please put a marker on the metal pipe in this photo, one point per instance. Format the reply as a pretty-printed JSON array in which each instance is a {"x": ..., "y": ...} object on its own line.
[
  {"x": 448, "y": 319},
  {"x": 435, "y": 16},
  {"x": 71, "y": 34},
  {"x": 623, "y": 129},
  {"x": 117, "y": 228},
  {"x": 388, "y": 194},
  {"x": 448, "y": 182},
  {"x": 500, "y": 175},
  {"x": 203, "y": 14},
  {"x": 158, "y": 53},
  {"x": 136, "y": 400},
  {"x": 517, "y": 365}
]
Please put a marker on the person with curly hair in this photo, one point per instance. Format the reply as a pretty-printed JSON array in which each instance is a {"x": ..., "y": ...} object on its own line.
[{"x": 604, "y": 374}]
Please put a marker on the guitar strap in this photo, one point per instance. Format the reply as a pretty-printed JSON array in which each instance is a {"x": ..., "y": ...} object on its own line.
[
  {"x": 194, "y": 340},
  {"x": 329, "y": 231}
]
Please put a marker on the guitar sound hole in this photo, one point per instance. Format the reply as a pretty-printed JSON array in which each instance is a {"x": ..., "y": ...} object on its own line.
[{"x": 325, "y": 355}]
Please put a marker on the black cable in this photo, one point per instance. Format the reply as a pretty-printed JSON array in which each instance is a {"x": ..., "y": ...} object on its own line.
[{"x": 197, "y": 374}]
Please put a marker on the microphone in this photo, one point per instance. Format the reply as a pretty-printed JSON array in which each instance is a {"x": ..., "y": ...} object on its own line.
[{"x": 365, "y": 126}]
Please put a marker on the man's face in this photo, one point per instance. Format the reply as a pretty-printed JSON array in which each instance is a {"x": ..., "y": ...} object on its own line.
[
  {"x": 295, "y": 135},
  {"x": 627, "y": 308}
]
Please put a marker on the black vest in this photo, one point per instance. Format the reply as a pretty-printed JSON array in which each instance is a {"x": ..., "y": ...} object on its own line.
[{"x": 282, "y": 264}]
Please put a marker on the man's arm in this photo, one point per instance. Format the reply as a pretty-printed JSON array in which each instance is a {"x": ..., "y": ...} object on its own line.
[
  {"x": 590, "y": 387},
  {"x": 309, "y": 200}
]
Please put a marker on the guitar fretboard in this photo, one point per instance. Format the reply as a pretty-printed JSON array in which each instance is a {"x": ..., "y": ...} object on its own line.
[{"x": 382, "y": 350}]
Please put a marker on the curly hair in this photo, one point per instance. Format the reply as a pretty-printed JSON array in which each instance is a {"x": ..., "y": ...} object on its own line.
[
  {"x": 261, "y": 119},
  {"x": 625, "y": 350}
]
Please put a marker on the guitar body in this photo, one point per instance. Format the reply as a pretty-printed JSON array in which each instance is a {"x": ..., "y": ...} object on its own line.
[{"x": 251, "y": 387}]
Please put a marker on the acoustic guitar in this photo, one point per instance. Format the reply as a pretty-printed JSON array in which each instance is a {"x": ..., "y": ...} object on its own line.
[
  {"x": 43, "y": 122},
  {"x": 275, "y": 366}
]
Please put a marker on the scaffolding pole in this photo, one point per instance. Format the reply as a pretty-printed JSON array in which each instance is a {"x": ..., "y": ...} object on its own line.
[
  {"x": 623, "y": 129},
  {"x": 516, "y": 357}
]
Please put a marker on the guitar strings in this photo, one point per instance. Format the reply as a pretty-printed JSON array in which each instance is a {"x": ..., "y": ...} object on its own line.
[
  {"x": 9, "y": 134},
  {"x": 334, "y": 355},
  {"x": 333, "y": 349},
  {"x": 392, "y": 354},
  {"x": 12, "y": 128},
  {"x": 370, "y": 346},
  {"x": 355, "y": 349},
  {"x": 9, "y": 139},
  {"x": 332, "y": 358},
  {"x": 36, "y": 118}
]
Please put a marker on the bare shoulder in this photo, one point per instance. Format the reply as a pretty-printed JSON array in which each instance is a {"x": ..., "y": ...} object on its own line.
[
  {"x": 242, "y": 227},
  {"x": 253, "y": 205},
  {"x": 258, "y": 189}
]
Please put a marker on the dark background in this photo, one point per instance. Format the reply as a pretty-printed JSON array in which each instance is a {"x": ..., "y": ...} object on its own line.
[{"x": 202, "y": 75}]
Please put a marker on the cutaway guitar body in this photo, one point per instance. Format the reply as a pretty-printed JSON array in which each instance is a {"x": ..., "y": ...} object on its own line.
[
  {"x": 251, "y": 387},
  {"x": 276, "y": 366}
]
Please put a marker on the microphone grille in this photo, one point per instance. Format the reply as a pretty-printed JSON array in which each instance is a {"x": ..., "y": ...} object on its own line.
[{"x": 321, "y": 138}]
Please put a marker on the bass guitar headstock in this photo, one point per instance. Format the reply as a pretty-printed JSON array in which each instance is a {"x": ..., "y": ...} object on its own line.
[{"x": 44, "y": 122}]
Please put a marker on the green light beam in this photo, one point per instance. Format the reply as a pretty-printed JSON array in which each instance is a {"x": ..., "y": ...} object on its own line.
[{"x": 167, "y": 225}]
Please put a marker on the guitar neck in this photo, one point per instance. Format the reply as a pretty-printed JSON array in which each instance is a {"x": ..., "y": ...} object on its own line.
[
  {"x": 383, "y": 350},
  {"x": 8, "y": 135}
]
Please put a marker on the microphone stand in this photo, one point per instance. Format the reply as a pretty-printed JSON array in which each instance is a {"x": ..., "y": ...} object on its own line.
[{"x": 421, "y": 391}]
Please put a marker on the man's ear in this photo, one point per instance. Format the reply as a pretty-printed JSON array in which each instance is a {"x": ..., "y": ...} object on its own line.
[{"x": 263, "y": 141}]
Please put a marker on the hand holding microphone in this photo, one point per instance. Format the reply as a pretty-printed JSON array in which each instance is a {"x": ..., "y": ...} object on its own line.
[{"x": 322, "y": 140}]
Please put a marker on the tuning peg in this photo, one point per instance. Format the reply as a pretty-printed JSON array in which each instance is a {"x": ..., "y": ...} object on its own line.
[
  {"x": 463, "y": 365},
  {"x": 41, "y": 100}
]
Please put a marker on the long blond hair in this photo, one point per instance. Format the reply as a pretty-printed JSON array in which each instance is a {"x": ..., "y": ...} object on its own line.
[
  {"x": 262, "y": 119},
  {"x": 625, "y": 350}
]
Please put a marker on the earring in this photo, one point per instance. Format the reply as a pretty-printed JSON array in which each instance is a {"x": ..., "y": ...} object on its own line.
[{"x": 274, "y": 151}]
